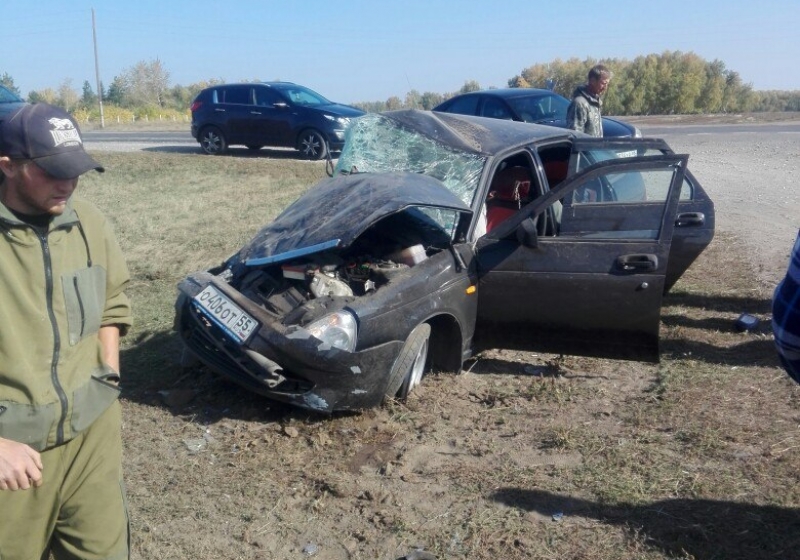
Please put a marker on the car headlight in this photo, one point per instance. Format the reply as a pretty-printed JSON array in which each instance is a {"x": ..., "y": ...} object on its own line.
[
  {"x": 636, "y": 132},
  {"x": 337, "y": 329},
  {"x": 344, "y": 121}
]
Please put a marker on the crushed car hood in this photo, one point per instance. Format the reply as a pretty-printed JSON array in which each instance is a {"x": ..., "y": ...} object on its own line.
[{"x": 334, "y": 212}]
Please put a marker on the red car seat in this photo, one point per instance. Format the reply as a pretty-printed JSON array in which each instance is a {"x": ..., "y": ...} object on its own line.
[
  {"x": 508, "y": 192},
  {"x": 556, "y": 171}
]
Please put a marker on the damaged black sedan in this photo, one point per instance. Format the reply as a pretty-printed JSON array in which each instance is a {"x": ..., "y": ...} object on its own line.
[{"x": 440, "y": 236}]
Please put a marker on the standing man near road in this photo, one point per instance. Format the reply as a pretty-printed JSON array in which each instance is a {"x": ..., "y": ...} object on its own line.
[
  {"x": 584, "y": 114},
  {"x": 62, "y": 312}
]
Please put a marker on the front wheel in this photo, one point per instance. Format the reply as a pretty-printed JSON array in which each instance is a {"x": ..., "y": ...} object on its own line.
[
  {"x": 312, "y": 145},
  {"x": 410, "y": 365},
  {"x": 212, "y": 141}
]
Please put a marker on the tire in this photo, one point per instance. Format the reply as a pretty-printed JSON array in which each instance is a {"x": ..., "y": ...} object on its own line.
[
  {"x": 312, "y": 145},
  {"x": 409, "y": 367},
  {"x": 212, "y": 141}
]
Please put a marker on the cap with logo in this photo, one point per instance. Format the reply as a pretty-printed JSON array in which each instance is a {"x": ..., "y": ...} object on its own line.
[{"x": 49, "y": 137}]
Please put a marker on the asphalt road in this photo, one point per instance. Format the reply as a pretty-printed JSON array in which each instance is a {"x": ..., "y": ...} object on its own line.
[
  {"x": 124, "y": 141},
  {"x": 766, "y": 128},
  {"x": 112, "y": 140}
]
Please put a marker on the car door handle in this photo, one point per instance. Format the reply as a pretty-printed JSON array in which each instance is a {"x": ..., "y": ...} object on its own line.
[
  {"x": 255, "y": 112},
  {"x": 218, "y": 110},
  {"x": 690, "y": 219},
  {"x": 637, "y": 263}
]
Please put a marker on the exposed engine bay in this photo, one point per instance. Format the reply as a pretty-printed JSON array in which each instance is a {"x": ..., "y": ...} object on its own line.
[{"x": 301, "y": 290}]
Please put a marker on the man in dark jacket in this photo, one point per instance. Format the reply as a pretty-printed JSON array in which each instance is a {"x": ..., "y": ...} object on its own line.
[
  {"x": 786, "y": 315},
  {"x": 584, "y": 113},
  {"x": 63, "y": 311}
]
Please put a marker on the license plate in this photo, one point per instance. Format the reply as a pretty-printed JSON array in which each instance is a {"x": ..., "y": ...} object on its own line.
[
  {"x": 629, "y": 153},
  {"x": 220, "y": 309}
]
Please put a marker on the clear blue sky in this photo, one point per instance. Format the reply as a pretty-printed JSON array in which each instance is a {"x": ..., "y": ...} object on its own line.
[{"x": 370, "y": 50}]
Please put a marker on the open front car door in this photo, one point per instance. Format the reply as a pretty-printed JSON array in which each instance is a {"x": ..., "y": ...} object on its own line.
[{"x": 595, "y": 287}]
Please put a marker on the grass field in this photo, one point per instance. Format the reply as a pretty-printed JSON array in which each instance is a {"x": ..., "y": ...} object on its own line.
[{"x": 522, "y": 456}]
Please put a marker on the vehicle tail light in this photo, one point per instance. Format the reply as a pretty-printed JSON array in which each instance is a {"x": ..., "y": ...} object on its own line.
[{"x": 195, "y": 106}]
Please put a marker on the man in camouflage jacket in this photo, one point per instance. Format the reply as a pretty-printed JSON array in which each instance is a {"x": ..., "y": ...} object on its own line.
[{"x": 584, "y": 113}]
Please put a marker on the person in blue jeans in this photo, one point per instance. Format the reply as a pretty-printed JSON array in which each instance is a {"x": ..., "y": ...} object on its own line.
[{"x": 786, "y": 315}]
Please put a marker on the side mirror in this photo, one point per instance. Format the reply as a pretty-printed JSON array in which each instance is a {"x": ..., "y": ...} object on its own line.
[{"x": 527, "y": 235}]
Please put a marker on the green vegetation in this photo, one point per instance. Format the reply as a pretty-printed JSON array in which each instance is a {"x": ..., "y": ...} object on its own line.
[{"x": 672, "y": 82}]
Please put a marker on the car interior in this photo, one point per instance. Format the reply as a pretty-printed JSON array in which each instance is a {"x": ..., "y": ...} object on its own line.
[
  {"x": 515, "y": 184},
  {"x": 510, "y": 190}
]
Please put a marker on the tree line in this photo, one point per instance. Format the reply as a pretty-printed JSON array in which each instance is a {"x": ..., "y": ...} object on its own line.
[{"x": 672, "y": 82}]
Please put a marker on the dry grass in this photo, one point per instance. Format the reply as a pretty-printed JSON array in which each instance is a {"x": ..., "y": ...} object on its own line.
[{"x": 525, "y": 456}]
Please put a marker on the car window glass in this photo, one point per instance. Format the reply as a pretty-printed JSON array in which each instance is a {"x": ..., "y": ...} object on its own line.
[
  {"x": 7, "y": 97},
  {"x": 265, "y": 97},
  {"x": 300, "y": 95},
  {"x": 445, "y": 219},
  {"x": 590, "y": 212},
  {"x": 464, "y": 105},
  {"x": 540, "y": 108},
  {"x": 495, "y": 109},
  {"x": 555, "y": 162},
  {"x": 687, "y": 189},
  {"x": 237, "y": 95},
  {"x": 554, "y": 106},
  {"x": 630, "y": 189}
]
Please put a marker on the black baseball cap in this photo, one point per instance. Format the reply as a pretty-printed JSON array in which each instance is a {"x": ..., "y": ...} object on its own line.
[{"x": 49, "y": 137}]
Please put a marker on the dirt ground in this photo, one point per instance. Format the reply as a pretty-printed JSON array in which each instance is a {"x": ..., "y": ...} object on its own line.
[{"x": 471, "y": 466}]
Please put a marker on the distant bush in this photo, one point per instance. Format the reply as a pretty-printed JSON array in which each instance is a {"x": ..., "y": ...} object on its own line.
[{"x": 114, "y": 114}]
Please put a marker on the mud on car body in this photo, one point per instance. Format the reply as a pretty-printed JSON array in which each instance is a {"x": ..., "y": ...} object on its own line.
[{"x": 440, "y": 236}]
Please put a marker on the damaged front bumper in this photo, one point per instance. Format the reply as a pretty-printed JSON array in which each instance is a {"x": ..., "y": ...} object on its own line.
[{"x": 285, "y": 363}]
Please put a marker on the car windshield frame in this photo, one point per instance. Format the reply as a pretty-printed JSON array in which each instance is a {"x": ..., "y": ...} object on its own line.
[{"x": 376, "y": 143}]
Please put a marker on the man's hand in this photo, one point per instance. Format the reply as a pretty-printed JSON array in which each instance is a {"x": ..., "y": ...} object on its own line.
[{"x": 20, "y": 466}]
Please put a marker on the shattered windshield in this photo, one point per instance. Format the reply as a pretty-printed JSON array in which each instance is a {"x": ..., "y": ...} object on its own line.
[{"x": 377, "y": 144}]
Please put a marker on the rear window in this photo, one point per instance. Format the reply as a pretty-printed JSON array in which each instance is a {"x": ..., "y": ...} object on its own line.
[{"x": 237, "y": 95}]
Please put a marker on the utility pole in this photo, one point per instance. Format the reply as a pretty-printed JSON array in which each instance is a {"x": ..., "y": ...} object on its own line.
[{"x": 97, "y": 74}]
